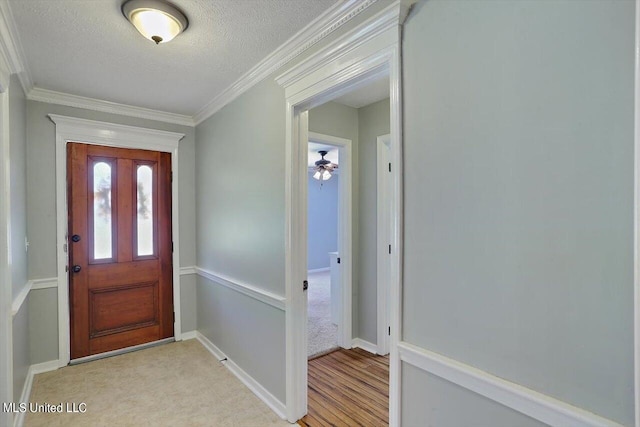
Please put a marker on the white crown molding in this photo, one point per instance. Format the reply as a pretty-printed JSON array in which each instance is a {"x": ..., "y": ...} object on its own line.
[
  {"x": 536, "y": 405},
  {"x": 266, "y": 297},
  {"x": 11, "y": 51},
  {"x": 321, "y": 27},
  {"x": 391, "y": 16},
  {"x": 60, "y": 98}
]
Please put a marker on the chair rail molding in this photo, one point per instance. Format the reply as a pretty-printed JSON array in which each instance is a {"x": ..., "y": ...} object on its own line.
[
  {"x": 536, "y": 405},
  {"x": 254, "y": 292}
]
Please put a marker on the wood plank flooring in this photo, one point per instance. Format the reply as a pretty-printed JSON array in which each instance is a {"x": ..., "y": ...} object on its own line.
[{"x": 348, "y": 388}]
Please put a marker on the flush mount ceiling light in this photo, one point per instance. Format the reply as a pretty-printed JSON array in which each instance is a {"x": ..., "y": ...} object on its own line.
[
  {"x": 323, "y": 167},
  {"x": 155, "y": 19}
]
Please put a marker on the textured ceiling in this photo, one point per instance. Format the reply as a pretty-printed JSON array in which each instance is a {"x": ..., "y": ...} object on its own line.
[{"x": 88, "y": 48}]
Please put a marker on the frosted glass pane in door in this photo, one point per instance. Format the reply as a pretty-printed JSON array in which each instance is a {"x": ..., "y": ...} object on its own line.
[
  {"x": 145, "y": 211},
  {"x": 102, "y": 223}
]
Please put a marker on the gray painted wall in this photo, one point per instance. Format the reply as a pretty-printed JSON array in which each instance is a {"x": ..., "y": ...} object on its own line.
[
  {"x": 322, "y": 222},
  {"x": 373, "y": 121},
  {"x": 428, "y": 400},
  {"x": 240, "y": 222},
  {"x": 519, "y": 195},
  {"x": 248, "y": 331},
  {"x": 41, "y": 216},
  {"x": 43, "y": 325},
  {"x": 21, "y": 356},
  {"x": 18, "y": 180},
  {"x": 18, "y": 231}
]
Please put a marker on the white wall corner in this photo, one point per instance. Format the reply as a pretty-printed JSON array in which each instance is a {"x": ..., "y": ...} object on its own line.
[
  {"x": 262, "y": 393},
  {"x": 11, "y": 51}
]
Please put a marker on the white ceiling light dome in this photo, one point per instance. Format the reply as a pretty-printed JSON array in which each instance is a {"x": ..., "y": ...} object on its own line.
[{"x": 156, "y": 20}]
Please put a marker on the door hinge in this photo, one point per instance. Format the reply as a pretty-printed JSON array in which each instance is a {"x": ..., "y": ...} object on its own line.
[
  {"x": 338, "y": 260},
  {"x": 305, "y": 285},
  {"x": 389, "y": 167},
  {"x": 389, "y": 330},
  {"x": 171, "y": 247},
  {"x": 171, "y": 173},
  {"x": 389, "y": 248},
  {"x": 174, "y": 317}
]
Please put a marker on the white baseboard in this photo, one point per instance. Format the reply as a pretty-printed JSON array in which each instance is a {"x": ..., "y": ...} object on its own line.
[
  {"x": 263, "y": 394},
  {"x": 524, "y": 400},
  {"x": 319, "y": 270},
  {"x": 38, "y": 368},
  {"x": 189, "y": 335},
  {"x": 365, "y": 345}
]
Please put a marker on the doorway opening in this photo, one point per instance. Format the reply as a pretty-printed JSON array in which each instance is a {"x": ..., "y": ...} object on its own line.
[
  {"x": 329, "y": 260},
  {"x": 120, "y": 282},
  {"x": 96, "y": 133},
  {"x": 357, "y": 281},
  {"x": 361, "y": 56}
]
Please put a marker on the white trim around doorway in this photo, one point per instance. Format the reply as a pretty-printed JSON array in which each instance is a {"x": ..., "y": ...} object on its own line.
[
  {"x": 71, "y": 129},
  {"x": 365, "y": 54},
  {"x": 345, "y": 232},
  {"x": 383, "y": 240}
]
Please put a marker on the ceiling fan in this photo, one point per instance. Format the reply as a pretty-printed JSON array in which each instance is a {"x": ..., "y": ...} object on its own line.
[{"x": 323, "y": 167}]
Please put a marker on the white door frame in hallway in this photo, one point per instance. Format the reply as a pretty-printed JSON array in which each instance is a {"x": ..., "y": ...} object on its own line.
[
  {"x": 71, "y": 129},
  {"x": 6, "y": 299},
  {"x": 361, "y": 56},
  {"x": 383, "y": 219},
  {"x": 345, "y": 232}
]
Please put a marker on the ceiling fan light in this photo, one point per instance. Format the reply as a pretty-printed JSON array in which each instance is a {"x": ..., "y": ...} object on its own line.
[
  {"x": 317, "y": 175},
  {"x": 326, "y": 175},
  {"x": 155, "y": 20}
]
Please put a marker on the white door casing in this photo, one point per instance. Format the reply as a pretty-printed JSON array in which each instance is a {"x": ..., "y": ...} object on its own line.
[
  {"x": 71, "y": 129},
  {"x": 383, "y": 219},
  {"x": 345, "y": 228},
  {"x": 365, "y": 54},
  {"x": 6, "y": 298}
]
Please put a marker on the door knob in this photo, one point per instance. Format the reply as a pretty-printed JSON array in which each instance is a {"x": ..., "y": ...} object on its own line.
[
  {"x": 76, "y": 268},
  {"x": 75, "y": 238}
]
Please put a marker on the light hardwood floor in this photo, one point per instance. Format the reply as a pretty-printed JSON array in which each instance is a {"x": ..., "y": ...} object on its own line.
[{"x": 348, "y": 388}]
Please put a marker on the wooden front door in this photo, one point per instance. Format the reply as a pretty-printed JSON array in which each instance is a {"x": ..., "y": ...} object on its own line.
[{"x": 120, "y": 249}]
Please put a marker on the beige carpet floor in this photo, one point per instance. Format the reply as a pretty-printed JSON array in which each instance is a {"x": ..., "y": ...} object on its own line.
[
  {"x": 322, "y": 333},
  {"x": 176, "y": 384}
]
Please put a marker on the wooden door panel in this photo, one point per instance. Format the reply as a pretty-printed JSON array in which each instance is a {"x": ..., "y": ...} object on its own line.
[
  {"x": 122, "y": 308},
  {"x": 122, "y": 293}
]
